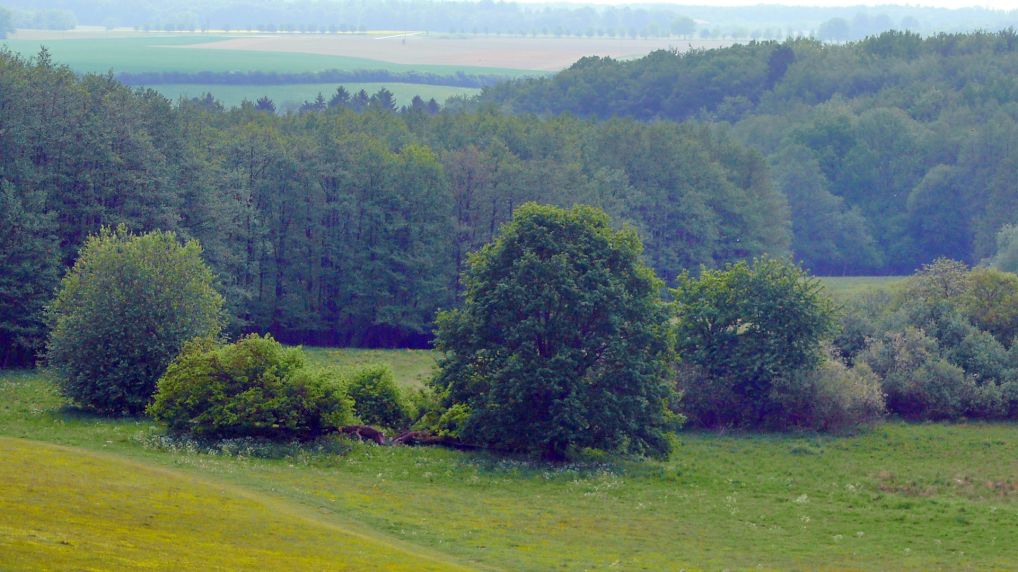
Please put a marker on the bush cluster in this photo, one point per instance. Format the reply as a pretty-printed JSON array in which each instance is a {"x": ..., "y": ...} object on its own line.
[
  {"x": 123, "y": 312},
  {"x": 830, "y": 397},
  {"x": 377, "y": 400},
  {"x": 943, "y": 346},
  {"x": 253, "y": 388},
  {"x": 750, "y": 338}
]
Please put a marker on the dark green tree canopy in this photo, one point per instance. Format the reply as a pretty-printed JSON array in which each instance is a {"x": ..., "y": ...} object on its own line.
[
  {"x": 123, "y": 313},
  {"x": 29, "y": 259},
  {"x": 749, "y": 325},
  {"x": 562, "y": 340}
]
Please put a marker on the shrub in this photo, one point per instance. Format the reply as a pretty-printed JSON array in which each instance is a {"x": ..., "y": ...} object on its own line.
[
  {"x": 707, "y": 401},
  {"x": 745, "y": 327},
  {"x": 1006, "y": 257},
  {"x": 918, "y": 382},
  {"x": 981, "y": 356},
  {"x": 562, "y": 340},
  {"x": 252, "y": 388},
  {"x": 376, "y": 399},
  {"x": 1009, "y": 399},
  {"x": 123, "y": 312},
  {"x": 860, "y": 321},
  {"x": 831, "y": 397},
  {"x": 941, "y": 280},
  {"x": 990, "y": 301}
]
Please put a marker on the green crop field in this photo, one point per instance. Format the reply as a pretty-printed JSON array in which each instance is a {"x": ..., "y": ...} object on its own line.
[
  {"x": 155, "y": 52},
  {"x": 163, "y": 53},
  {"x": 295, "y": 94},
  {"x": 79, "y": 491}
]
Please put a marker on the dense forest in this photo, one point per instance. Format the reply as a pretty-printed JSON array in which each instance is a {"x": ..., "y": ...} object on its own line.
[
  {"x": 334, "y": 226},
  {"x": 891, "y": 151}
]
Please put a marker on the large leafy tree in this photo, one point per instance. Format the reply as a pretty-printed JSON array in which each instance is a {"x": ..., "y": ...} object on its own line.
[
  {"x": 561, "y": 341},
  {"x": 124, "y": 311},
  {"x": 745, "y": 327}
]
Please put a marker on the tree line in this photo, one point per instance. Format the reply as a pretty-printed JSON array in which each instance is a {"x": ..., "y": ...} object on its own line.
[
  {"x": 892, "y": 151},
  {"x": 458, "y": 79},
  {"x": 467, "y": 17},
  {"x": 334, "y": 226}
]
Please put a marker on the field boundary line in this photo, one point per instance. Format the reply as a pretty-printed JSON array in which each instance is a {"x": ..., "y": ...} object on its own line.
[{"x": 407, "y": 35}]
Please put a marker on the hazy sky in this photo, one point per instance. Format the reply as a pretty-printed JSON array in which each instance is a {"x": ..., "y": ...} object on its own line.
[{"x": 996, "y": 4}]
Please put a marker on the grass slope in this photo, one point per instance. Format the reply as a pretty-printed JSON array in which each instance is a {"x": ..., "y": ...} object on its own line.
[
  {"x": 64, "y": 508},
  {"x": 901, "y": 496}
]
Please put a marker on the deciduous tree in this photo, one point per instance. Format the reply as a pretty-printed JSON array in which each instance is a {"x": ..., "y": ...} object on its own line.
[{"x": 561, "y": 341}]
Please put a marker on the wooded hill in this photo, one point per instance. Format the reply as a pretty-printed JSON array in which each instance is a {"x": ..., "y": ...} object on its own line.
[
  {"x": 334, "y": 226},
  {"x": 891, "y": 151},
  {"x": 337, "y": 226}
]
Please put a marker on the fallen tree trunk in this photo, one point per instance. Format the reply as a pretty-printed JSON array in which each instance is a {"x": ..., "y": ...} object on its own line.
[
  {"x": 407, "y": 438},
  {"x": 364, "y": 432}
]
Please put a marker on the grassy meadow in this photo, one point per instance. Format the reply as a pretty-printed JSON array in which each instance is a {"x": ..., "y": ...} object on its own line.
[
  {"x": 844, "y": 287},
  {"x": 104, "y": 493},
  {"x": 88, "y": 510},
  {"x": 410, "y": 368}
]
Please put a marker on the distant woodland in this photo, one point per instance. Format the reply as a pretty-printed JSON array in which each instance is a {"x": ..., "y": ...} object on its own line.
[{"x": 890, "y": 152}]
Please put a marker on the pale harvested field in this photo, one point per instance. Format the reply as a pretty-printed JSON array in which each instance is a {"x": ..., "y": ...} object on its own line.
[{"x": 545, "y": 54}]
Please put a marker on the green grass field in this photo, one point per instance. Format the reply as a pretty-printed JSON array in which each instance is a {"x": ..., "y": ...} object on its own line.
[
  {"x": 161, "y": 53},
  {"x": 409, "y": 367},
  {"x": 923, "y": 497},
  {"x": 67, "y": 508},
  {"x": 844, "y": 287},
  {"x": 281, "y": 95}
]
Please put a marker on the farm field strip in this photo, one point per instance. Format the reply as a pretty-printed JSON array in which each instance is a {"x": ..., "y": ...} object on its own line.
[
  {"x": 162, "y": 53},
  {"x": 385, "y": 49},
  {"x": 500, "y": 52}
]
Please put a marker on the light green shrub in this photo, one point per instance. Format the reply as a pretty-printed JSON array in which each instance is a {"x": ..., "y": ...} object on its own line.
[
  {"x": 918, "y": 382},
  {"x": 123, "y": 312},
  {"x": 252, "y": 388},
  {"x": 831, "y": 397},
  {"x": 377, "y": 400}
]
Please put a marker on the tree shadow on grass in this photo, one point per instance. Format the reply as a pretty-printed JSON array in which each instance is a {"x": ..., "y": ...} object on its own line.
[{"x": 74, "y": 413}]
